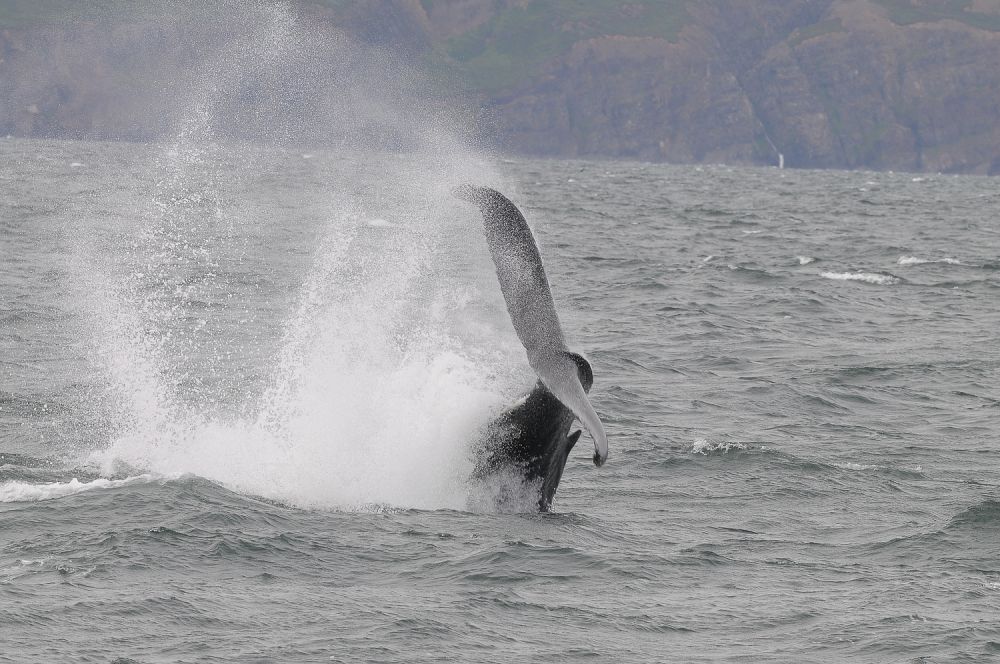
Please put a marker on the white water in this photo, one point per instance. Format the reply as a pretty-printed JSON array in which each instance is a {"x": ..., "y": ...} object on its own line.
[
  {"x": 865, "y": 277},
  {"x": 915, "y": 260},
  {"x": 387, "y": 364},
  {"x": 22, "y": 492}
]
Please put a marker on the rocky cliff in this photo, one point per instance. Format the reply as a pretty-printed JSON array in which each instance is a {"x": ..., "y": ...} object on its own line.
[
  {"x": 891, "y": 84},
  {"x": 880, "y": 84}
]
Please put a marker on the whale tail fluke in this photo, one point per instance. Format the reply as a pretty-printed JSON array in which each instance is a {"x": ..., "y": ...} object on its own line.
[{"x": 565, "y": 377}]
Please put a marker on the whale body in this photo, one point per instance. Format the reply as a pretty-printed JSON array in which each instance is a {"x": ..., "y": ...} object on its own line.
[{"x": 531, "y": 440}]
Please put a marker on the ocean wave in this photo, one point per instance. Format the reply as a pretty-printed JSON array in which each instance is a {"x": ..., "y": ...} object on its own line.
[
  {"x": 914, "y": 260},
  {"x": 21, "y": 567},
  {"x": 975, "y": 523},
  {"x": 27, "y": 492},
  {"x": 980, "y": 514},
  {"x": 866, "y": 277},
  {"x": 909, "y": 471},
  {"x": 14, "y": 460},
  {"x": 752, "y": 273},
  {"x": 706, "y": 447}
]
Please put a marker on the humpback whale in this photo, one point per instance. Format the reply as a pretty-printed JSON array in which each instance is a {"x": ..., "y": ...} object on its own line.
[{"x": 532, "y": 437}]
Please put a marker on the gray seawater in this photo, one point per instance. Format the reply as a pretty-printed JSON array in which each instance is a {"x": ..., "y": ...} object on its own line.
[{"x": 238, "y": 388}]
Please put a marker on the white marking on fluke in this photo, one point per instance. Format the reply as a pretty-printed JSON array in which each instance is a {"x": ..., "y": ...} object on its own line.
[{"x": 532, "y": 311}]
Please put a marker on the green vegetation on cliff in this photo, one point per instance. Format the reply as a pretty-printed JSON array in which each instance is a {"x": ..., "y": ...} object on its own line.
[
  {"x": 908, "y": 12},
  {"x": 517, "y": 41},
  {"x": 827, "y": 27}
]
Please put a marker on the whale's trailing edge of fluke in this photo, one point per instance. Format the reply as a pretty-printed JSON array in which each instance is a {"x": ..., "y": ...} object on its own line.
[{"x": 532, "y": 311}]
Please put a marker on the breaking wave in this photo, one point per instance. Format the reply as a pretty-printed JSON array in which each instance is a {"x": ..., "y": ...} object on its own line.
[
  {"x": 864, "y": 277},
  {"x": 21, "y": 492},
  {"x": 914, "y": 260}
]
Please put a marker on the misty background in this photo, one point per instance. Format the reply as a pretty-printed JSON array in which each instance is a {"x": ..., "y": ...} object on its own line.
[
  {"x": 873, "y": 84},
  {"x": 907, "y": 85}
]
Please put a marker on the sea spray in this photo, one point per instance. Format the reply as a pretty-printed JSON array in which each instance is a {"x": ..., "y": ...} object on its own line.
[{"x": 370, "y": 384}]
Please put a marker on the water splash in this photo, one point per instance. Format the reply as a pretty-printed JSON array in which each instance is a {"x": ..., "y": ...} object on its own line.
[{"x": 362, "y": 382}]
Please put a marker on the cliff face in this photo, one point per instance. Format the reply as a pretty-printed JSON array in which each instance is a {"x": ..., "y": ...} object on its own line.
[
  {"x": 825, "y": 83},
  {"x": 880, "y": 84},
  {"x": 867, "y": 92},
  {"x": 643, "y": 98}
]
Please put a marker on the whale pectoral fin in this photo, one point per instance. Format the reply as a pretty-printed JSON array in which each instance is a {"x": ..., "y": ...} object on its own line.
[
  {"x": 571, "y": 440},
  {"x": 561, "y": 376}
]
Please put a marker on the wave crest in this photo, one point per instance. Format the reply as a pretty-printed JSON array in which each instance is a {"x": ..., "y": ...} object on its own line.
[
  {"x": 27, "y": 492},
  {"x": 876, "y": 278}
]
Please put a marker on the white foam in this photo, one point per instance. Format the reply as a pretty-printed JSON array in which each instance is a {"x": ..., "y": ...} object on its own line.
[
  {"x": 913, "y": 260},
  {"x": 373, "y": 400},
  {"x": 866, "y": 277},
  {"x": 21, "y": 568},
  {"x": 349, "y": 435},
  {"x": 704, "y": 446},
  {"x": 25, "y": 492},
  {"x": 849, "y": 465},
  {"x": 505, "y": 491}
]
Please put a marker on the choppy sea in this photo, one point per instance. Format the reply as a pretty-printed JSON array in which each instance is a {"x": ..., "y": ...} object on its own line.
[{"x": 239, "y": 387}]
